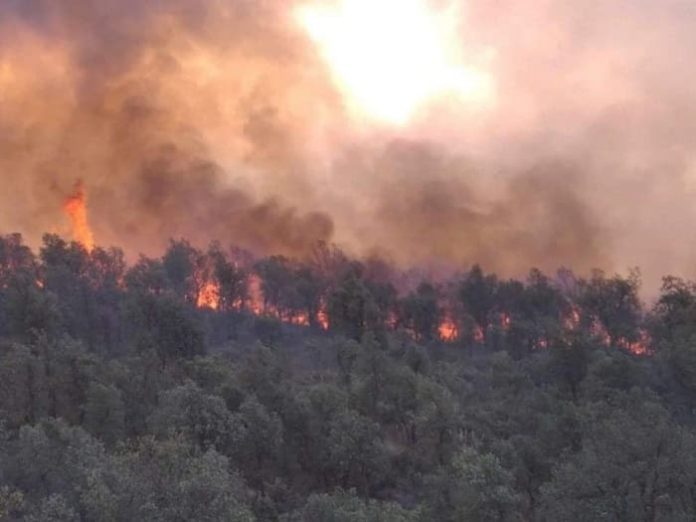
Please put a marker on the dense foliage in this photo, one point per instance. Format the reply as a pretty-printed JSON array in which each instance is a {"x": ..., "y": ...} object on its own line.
[{"x": 215, "y": 386}]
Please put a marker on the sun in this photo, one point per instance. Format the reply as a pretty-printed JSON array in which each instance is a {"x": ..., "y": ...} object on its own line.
[{"x": 390, "y": 58}]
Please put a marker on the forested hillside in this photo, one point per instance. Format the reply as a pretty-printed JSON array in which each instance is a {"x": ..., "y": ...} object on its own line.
[{"x": 214, "y": 386}]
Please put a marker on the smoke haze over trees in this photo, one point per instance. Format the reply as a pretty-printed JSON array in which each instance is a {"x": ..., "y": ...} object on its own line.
[{"x": 222, "y": 121}]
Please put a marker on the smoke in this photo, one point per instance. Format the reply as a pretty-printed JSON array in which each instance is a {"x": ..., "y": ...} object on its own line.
[
  {"x": 218, "y": 119},
  {"x": 133, "y": 100}
]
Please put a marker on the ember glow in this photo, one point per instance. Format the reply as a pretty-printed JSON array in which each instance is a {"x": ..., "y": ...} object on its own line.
[
  {"x": 448, "y": 330},
  {"x": 75, "y": 207},
  {"x": 209, "y": 296},
  {"x": 391, "y": 57}
]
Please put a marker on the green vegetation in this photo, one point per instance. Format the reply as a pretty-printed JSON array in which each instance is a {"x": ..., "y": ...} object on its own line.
[{"x": 211, "y": 387}]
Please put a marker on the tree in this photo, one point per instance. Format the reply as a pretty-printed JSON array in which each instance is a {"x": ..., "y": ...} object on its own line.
[
  {"x": 352, "y": 310},
  {"x": 347, "y": 507},
  {"x": 614, "y": 304},
  {"x": 104, "y": 413},
  {"x": 421, "y": 312},
  {"x": 635, "y": 464},
  {"x": 179, "y": 263},
  {"x": 52, "y": 459},
  {"x": 258, "y": 444},
  {"x": 352, "y": 453},
  {"x": 474, "y": 487},
  {"x": 201, "y": 418},
  {"x": 52, "y": 509},
  {"x": 29, "y": 310},
  {"x": 232, "y": 280},
  {"x": 167, "y": 327},
  {"x": 171, "y": 481},
  {"x": 23, "y": 386},
  {"x": 477, "y": 295}
]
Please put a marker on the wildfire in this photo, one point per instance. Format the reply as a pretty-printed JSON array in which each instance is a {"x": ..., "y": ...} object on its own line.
[
  {"x": 75, "y": 207},
  {"x": 505, "y": 321},
  {"x": 479, "y": 335},
  {"x": 256, "y": 301},
  {"x": 301, "y": 319},
  {"x": 572, "y": 321},
  {"x": 391, "y": 57},
  {"x": 209, "y": 296},
  {"x": 448, "y": 330},
  {"x": 640, "y": 347},
  {"x": 323, "y": 317}
]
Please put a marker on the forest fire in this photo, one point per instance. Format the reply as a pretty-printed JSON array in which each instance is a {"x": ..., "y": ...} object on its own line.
[
  {"x": 572, "y": 320},
  {"x": 75, "y": 206},
  {"x": 304, "y": 260},
  {"x": 209, "y": 296},
  {"x": 256, "y": 303},
  {"x": 505, "y": 321},
  {"x": 255, "y": 292},
  {"x": 448, "y": 330},
  {"x": 641, "y": 347},
  {"x": 323, "y": 317}
]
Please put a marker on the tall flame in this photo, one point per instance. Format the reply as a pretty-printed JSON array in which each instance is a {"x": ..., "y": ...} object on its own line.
[
  {"x": 209, "y": 296},
  {"x": 75, "y": 207},
  {"x": 448, "y": 330}
]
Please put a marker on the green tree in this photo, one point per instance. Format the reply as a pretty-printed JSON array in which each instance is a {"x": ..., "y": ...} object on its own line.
[
  {"x": 171, "y": 481},
  {"x": 474, "y": 487},
  {"x": 104, "y": 413},
  {"x": 347, "y": 507},
  {"x": 421, "y": 312},
  {"x": 635, "y": 464},
  {"x": 201, "y": 418}
]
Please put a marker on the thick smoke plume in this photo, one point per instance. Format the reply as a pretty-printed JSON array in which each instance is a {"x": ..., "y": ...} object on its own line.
[{"x": 219, "y": 120}]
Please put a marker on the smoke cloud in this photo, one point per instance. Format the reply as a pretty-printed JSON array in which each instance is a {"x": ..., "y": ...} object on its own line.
[{"x": 219, "y": 120}]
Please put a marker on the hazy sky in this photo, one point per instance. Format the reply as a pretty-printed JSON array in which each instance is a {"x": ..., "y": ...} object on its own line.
[{"x": 511, "y": 133}]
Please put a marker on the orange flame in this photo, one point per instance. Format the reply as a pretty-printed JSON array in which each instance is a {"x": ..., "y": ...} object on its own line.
[
  {"x": 641, "y": 347},
  {"x": 300, "y": 319},
  {"x": 256, "y": 302},
  {"x": 75, "y": 207},
  {"x": 479, "y": 335},
  {"x": 448, "y": 330},
  {"x": 209, "y": 296},
  {"x": 572, "y": 321},
  {"x": 505, "y": 321},
  {"x": 323, "y": 317}
]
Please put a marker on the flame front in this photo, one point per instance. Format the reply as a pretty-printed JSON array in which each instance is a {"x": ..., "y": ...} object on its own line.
[
  {"x": 75, "y": 207},
  {"x": 209, "y": 296},
  {"x": 448, "y": 330}
]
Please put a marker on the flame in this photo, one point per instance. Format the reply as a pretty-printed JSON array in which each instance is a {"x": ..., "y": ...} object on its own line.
[
  {"x": 572, "y": 320},
  {"x": 256, "y": 301},
  {"x": 641, "y": 347},
  {"x": 599, "y": 331},
  {"x": 75, "y": 207},
  {"x": 505, "y": 321},
  {"x": 390, "y": 57},
  {"x": 209, "y": 296},
  {"x": 301, "y": 319},
  {"x": 479, "y": 336},
  {"x": 323, "y": 317},
  {"x": 448, "y": 330}
]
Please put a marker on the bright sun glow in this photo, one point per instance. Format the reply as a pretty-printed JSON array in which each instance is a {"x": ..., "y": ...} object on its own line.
[{"x": 391, "y": 57}]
